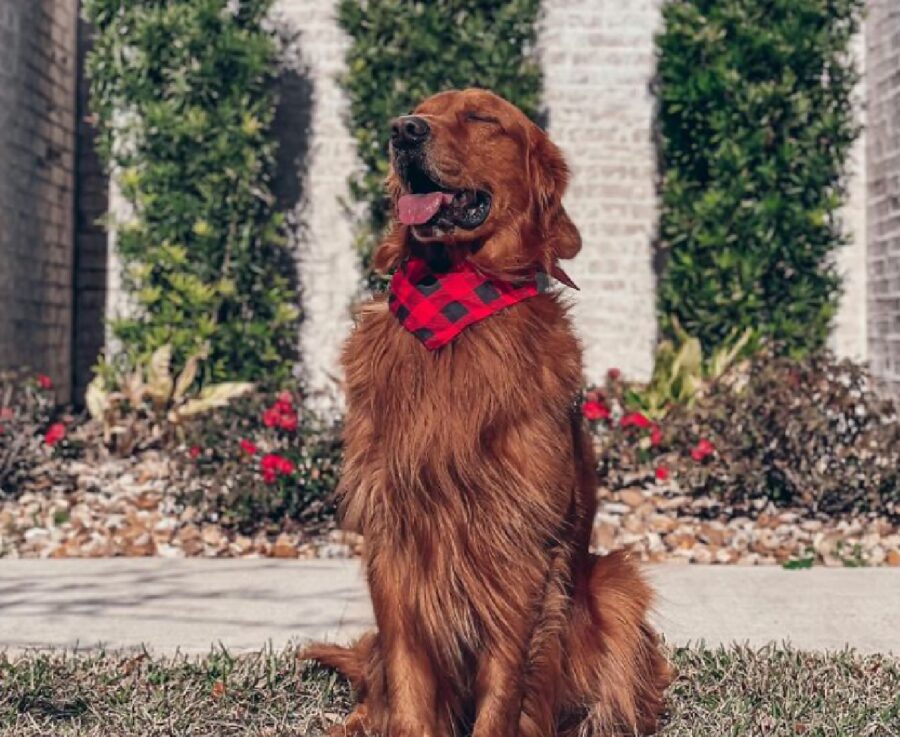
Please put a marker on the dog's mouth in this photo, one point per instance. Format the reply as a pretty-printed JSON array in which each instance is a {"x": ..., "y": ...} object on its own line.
[{"x": 430, "y": 205}]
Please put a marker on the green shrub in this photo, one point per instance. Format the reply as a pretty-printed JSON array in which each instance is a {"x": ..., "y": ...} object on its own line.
[
  {"x": 808, "y": 433},
  {"x": 680, "y": 370},
  {"x": 756, "y": 120},
  {"x": 403, "y": 52},
  {"x": 183, "y": 93}
]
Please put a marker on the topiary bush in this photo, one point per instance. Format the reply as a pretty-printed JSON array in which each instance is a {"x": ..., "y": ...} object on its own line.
[
  {"x": 756, "y": 120},
  {"x": 183, "y": 95},
  {"x": 403, "y": 52},
  {"x": 806, "y": 433}
]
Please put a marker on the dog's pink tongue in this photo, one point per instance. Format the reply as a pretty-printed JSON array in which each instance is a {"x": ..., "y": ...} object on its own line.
[{"x": 416, "y": 209}]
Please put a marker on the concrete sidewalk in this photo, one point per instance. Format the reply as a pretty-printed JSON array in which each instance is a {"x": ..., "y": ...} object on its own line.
[{"x": 191, "y": 605}]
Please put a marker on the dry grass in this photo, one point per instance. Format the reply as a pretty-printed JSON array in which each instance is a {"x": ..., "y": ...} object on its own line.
[{"x": 737, "y": 691}]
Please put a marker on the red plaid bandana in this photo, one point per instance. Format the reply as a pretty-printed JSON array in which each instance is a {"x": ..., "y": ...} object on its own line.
[{"x": 436, "y": 307}]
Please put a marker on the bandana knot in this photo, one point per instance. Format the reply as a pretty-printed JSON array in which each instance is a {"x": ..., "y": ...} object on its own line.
[{"x": 437, "y": 306}]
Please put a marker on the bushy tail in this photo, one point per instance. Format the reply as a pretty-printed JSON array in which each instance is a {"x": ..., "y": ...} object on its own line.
[
  {"x": 350, "y": 661},
  {"x": 617, "y": 662}
]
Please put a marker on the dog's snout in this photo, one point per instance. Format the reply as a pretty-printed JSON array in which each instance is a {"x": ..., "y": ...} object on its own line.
[{"x": 408, "y": 131}]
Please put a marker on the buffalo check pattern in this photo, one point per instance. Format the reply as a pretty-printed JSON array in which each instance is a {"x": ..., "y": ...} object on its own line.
[{"x": 437, "y": 306}]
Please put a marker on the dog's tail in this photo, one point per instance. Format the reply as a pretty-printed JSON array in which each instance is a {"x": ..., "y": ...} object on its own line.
[{"x": 350, "y": 661}]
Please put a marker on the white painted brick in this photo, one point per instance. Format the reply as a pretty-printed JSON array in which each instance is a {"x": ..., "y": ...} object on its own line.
[
  {"x": 883, "y": 154},
  {"x": 600, "y": 115},
  {"x": 328, "y": 264},
  {"x": 850, "y": 331}
]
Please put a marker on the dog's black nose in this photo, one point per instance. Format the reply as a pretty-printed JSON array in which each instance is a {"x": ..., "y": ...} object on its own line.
[{"x": 409, "y": 131}]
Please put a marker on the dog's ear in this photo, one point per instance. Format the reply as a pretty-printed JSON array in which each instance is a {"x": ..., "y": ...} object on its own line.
[
  {"x": 550, "y": 177},
  {"x": 391, "y": 250}
]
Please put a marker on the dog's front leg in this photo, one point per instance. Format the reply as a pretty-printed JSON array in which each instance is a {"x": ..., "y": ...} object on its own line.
[
  {"x": 410, "y": 680},
  {"x": 498, "y": 692},
  {"x": 518, "y": 684}
]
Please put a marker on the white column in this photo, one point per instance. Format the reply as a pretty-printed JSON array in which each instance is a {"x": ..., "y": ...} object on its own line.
[
  {"x": 849, "y": 335},
  {"x": 598, "y": 60},
  {"x": 328, "y": 264}
]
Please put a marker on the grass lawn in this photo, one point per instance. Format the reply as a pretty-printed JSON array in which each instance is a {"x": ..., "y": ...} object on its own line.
[{"x": 736, "y": 691}]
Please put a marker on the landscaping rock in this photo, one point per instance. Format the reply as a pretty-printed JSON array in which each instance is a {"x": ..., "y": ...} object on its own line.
[{"x": 129, "y": 507}]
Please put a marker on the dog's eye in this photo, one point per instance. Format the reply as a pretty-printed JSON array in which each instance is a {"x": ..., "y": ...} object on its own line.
[{"x": 481, "y": 118}]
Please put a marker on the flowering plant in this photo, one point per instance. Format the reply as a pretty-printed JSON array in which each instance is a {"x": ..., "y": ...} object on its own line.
[
  {"x": 626, "y": 436},
  {"x": 28, "y": 433},
  {"x": 264, "y": 458},
  {"x": 807, "y": 432}
]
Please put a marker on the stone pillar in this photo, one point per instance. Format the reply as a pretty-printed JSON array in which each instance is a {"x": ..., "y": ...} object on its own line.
[
  {"x": 324, "y": 156},
  {"x": 598, "y": 60},
  {"x": 850, "y": 332},
  {"x": 883, "y": 152},
  {"x": 37, "y": 181}
]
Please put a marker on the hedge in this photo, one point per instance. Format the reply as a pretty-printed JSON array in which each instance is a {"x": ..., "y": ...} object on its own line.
[
  {"x": 756, "y": 119},
  {"x": 403, "y": 52},
  {"x": 183, "y": 94}
]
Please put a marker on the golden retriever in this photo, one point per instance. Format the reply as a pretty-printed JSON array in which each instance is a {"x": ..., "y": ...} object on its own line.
[{"x": 468, "y": 468}]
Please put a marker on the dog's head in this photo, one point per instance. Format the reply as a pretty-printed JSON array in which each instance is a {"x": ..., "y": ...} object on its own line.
[{"x": 474, "y": 178}]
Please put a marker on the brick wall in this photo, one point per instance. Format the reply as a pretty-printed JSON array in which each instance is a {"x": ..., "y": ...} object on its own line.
[
  {"x": 883, "y": 38},
  {"x": 91, "y": 202},
  {"x": 598, "y": 61},
  {"x": 37, "y": 120}
]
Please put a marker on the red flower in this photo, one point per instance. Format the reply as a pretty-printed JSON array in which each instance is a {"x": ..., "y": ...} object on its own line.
[
  {"x": 271, "y": 417},
  {"x": 194, "y": 452},
  {"x": 285, "y": 402},
  {"x": 662, "y": 473},
  {"x": 288, "y": 421},
  {"x": 281, "y": 414},
  {"x": 2, "y": 429},
  {"x": 614, "y": 374},
  {"x": 703, "y": 449},
  {"x": 594, "y": 410},
  {"x": 44, "y": 382},
  {"x": 656, "y": 435},
  {"x": 7, "y": 413},
  {"x": 635, "y": 419},
  {"x": 54, "y": 434},
  {"x": 248, "y": 447},
  {"x": 273, "y": 464}
]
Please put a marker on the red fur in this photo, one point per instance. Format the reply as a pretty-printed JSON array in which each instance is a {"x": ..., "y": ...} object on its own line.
[{"x": 470, "y": 474}]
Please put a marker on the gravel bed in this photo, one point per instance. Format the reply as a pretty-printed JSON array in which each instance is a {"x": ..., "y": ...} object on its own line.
[{"x": 126, "y": 507}]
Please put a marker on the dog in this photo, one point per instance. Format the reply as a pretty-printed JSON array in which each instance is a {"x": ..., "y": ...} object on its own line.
[{"x": 468, "y": 469}]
